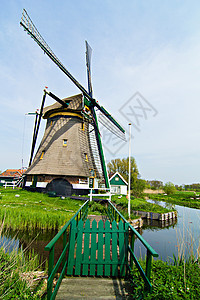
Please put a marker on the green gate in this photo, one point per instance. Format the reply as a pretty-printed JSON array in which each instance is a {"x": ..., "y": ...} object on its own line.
[
  {"x": 106, "y": 249},
  {"x": 98, "y": 250}
]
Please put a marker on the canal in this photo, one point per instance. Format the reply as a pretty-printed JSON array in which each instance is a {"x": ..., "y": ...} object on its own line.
[{"x": 176, "y": 238}]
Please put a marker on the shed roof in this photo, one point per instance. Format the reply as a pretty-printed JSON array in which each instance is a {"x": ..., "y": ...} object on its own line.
[
  {"x": 113, "y": 180},
  {"x": 12, "y": 173}
]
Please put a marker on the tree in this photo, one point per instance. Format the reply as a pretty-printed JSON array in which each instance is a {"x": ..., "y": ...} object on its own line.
[
  {"x": 155, "y": 184},
  {"x": 138, "y": 187},
  {"x": 169, "y": 188},
  {"x": 122, "y": 166}
]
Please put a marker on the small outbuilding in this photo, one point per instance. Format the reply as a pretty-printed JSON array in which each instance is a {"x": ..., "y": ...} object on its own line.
[
  {"x": 10, "y": 176},
  {"x": 118, "y": 184}
]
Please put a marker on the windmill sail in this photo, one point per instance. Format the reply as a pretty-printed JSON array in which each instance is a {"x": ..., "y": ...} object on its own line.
[
  {"x": 88, "y": 64},
  {"x": 90, "y": 161},
  {"x": 109, "y": 125},
  {"x": 28, "y": 25}
]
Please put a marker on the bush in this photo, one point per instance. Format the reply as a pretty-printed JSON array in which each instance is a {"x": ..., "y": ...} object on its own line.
[{"x": 169, "y": 188}]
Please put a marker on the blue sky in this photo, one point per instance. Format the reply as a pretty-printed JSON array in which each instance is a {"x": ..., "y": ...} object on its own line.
[{"x": 150, "y": 47}]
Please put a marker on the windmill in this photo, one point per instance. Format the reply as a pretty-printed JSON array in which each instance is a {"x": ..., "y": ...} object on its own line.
[{"x": 70, "y": 158}]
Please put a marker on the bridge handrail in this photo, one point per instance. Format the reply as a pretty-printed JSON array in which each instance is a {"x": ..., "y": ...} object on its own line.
[
  {"x": 150, "y": 251},
  {"x": 80, "y": 214},
  {"x": 50, "y": 245}
]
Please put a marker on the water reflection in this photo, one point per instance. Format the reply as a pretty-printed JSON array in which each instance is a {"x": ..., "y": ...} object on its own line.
[
  {"x": 179, "y": 238},
  {"x": 30, "y": 240},
  {"x": 9, "y": 243},
  {"x": 168, "y": 238},
  {"x": 154, "y": 224}
]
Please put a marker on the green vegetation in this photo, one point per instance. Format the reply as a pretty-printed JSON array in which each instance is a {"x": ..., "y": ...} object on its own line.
[
  {"x": 154, "y": 184},
  {"x": 97, "y": 208},
  {"x": 20, "y": 277},
  {"x": 189, "y": 199},
  {"x": 169, "y": 188},
  {"x": 136, "y": 204},
  {"x": 138, "y": 187},
  {"x": 179, "y": 281},
  {"x": 191, "y": 187},
  {"x": 139, "y": 204},
  {"x": 20, "y": 209}
]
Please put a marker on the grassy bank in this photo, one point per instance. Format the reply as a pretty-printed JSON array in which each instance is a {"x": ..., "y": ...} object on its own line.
[
  {"x": 189, "y": 199},
  {"x": 21, "y": 277},
  {"x": 21, "y": 209},
  {"x": 180, "y": 281},
  {"x": 139, "y": 204}
]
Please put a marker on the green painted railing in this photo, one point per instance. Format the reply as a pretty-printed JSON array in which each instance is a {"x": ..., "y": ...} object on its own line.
[
  {"x": 62, "y": 262},
  {"x": 114, "y": 214},
  {"x": 81, "y": 214}
]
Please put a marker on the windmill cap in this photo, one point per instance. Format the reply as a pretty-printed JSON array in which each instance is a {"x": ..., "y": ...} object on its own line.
[{"x": 75, "y": 104}]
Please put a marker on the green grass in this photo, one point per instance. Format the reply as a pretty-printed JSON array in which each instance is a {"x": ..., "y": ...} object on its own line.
[
  {"x": 169, "y": 281},
  {"x": 35, "y": 210},
  {"x": 179, "y": 198},
  {"x": 139, "y": 204},
  {"x": 20, "y": 209}
]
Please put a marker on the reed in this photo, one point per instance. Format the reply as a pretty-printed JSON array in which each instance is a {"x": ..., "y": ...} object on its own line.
[
  {"x": 139, "y": 204},
  {"x": 22, "y": 274},
  {"x": 20, "y": 209},
  {"x": 188, "y": 247}
]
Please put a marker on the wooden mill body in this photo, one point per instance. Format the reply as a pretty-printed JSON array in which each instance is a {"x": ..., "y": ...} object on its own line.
[{"x": 64, "y": 162}]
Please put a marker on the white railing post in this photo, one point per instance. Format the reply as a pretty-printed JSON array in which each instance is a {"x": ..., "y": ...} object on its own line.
[
  {"x": 108, "y": 194},
  {"x": 90, "y": 194}
]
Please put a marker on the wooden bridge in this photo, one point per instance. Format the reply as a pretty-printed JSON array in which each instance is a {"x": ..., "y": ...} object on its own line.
[{"x": 96, "y": 249}]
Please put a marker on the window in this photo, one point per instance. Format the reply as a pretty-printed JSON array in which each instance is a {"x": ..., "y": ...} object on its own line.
[
  {"x": 64, "y": 143},
  {"x": 42, "y": 155},
  {"x": 83, "y": 181},
  {"x": 115, "y": 189},
  {"x": 86, "y": 156},
  {"x": 117, "y": 178},
  {"x": 82, "y": 126}
]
